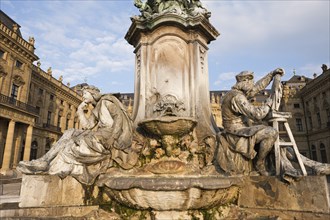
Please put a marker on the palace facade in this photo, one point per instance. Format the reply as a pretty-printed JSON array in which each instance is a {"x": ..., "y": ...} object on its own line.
[{"x": 35, "y": 108}]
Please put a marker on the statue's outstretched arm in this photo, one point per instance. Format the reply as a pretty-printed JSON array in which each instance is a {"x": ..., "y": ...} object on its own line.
[
  {"x": 264, "y": 82},
  {"x": 261, "y": 85},
  {"x": 242, "y": 105}
]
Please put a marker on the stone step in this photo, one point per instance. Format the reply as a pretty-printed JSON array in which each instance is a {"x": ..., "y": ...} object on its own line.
[{"x": 76, "y": 212}]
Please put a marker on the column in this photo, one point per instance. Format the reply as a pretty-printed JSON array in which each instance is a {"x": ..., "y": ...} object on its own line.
[
  {"x": 28, "y": 140},
  {"x": 9, "y": 146},
  {"x": 18, "y": 144}
]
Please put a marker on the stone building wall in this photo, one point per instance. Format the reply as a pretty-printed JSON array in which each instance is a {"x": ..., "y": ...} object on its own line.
[{"x": 35, "y": 108}]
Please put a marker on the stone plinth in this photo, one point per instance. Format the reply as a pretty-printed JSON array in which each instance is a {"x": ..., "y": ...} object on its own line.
[
  {"x": 50, "y": 191},
  {"x": 179, "y": 197},
  {"x": 309, "y": 194}
]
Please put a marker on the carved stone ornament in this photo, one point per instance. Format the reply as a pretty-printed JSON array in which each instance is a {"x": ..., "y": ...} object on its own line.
[
  {"x": 169, "y": 105},
  {"x": 18, "y": 80},
  {"x": 2, "y": 72},
  {"x": 152, "y": 8}
]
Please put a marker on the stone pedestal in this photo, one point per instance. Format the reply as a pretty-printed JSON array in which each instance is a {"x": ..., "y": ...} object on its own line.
[
  {"x": 50, "y": 191},
  {"x": 172, "y": 67},
  {"x": 309, "y": 194},
  {"x": 221, "y": 197}
]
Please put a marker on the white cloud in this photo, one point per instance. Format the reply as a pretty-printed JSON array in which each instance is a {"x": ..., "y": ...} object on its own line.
[
  {"x": 81, "y": 39},
  {"x": 260, "y": 24},
  {"x": 224, "y": 78}
]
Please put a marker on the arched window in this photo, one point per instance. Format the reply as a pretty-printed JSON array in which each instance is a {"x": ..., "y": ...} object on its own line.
[
  {"x": 47, "y": 147},
  {"x": 34, "y": 150},
  {"x": 314, "y": 153},
  {"x": 323, "y": 153}
]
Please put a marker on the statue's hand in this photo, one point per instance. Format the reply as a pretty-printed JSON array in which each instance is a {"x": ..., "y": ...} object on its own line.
[{"x": 279, "y": 71}]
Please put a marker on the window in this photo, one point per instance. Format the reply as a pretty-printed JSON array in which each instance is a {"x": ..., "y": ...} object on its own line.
[
  {"x": 2, "y": 54},
  {"x": 38, "y": 109},
  {"x": 47, "y": 147},
  {"x": 41, "y": 91},
  {"x": 324, "y": 96},
  {"x": 314, "y": 154},
  {"x": 59, "y": 120},
  {"x": 67, "y": 124},
  {"x": 62, "y": 102},
  {"x": 299, "y": 124},
  {"x": 318, "y": 115},
  {"x": 296, "y": 105},
  {"x": 323, "y": 152},
  {"x": 51, "y": 97},
  {"x": 328, "y": 116},
  {"x": 49, "y": 116},
  {"x": 34, "y": 150},
  {"x": 18, "y": 64},
  {"x": 14, "y": 91},
  {"x": 310, "y": 122}
]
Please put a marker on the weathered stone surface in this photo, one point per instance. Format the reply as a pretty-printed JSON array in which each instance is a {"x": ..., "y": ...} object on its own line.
[
  {"x": 73, "y": 212},
  {"x": 309, "y": 194},
  {"x": 50, "y": 191},
  {"x": 171, "y": 193}
]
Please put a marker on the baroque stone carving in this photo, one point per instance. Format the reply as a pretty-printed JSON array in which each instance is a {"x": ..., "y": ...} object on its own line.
[
  {"x": 18, "y": 80},
  {"x": 237, "y": 144},
  {"x": 171, "y": 156},
  {"x": 152, "y": 8},
  {"x": 84, "y": 154},
  {"x": 169, "y": 105}
]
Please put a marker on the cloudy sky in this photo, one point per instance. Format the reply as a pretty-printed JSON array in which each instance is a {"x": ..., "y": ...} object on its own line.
[{"x": 83, "y": 40}]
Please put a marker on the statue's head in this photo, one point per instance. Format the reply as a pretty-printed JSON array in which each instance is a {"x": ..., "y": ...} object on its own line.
[
  {"x": 90, "y": 93},
  {"x": 244, "y": 75},
  {"x": 244, "y": 81}
]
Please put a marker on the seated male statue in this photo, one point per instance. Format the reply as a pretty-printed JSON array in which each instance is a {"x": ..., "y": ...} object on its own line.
[
  {"x": 237, "y": 110},
  {"x": 84, "y": 154}
]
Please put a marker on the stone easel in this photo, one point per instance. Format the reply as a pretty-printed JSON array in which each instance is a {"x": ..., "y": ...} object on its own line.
[{"x": 175, "y": 137}]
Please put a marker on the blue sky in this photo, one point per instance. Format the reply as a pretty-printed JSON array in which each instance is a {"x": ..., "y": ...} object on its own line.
[{"x": 83, "y": 40}]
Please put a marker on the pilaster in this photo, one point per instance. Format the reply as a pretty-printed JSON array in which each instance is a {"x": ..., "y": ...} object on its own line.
[
  {"x": 8, "y": 146},
  {"x": 28, "y": 140}
]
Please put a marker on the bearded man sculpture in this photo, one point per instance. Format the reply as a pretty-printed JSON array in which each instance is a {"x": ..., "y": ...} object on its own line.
[
  {"x": 84, "y": 154},
  {"x": 239, "y": 136}
]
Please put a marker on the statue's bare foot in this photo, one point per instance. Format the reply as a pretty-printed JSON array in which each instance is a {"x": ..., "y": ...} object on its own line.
[
  {"x": 33, "y": 166},
  {"x": 260, "y": 166}
]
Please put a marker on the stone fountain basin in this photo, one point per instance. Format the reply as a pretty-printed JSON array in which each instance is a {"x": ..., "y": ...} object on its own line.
[
  {"x": 171, "y": 193},
  {"x": 168, "y": 125}
]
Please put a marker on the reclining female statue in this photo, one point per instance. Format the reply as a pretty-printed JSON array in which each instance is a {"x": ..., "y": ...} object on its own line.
[{"x": 105, "y": 138}]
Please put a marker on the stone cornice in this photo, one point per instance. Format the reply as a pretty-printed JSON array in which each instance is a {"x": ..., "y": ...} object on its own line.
[
  {"x": 17, "y": 114},
  {"x": 39, "y": 76},
  {"x": 198, "y": 23},
  {"x": 315, "y": 85},
  {"x": 16, "y": 43}
]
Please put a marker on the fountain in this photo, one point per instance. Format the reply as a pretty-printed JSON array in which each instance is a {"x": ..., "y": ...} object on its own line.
[{"x": 169, "y": 171}]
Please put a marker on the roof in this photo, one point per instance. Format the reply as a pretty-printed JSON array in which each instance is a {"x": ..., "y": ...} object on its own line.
[
  {"x": 298, "y": 79},
  {"x": 8, "y": 22}
]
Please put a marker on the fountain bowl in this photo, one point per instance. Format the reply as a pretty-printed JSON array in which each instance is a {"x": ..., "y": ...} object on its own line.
[
  {"x": 168, "y": 125},
  {"x": 171, "y": 193}
]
